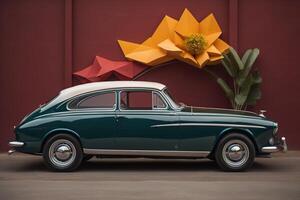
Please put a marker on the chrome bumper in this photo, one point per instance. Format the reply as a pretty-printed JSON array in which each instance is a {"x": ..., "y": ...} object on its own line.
[
  {"x": 273, "y": 149},
  {"x": 14, "y": 144}
]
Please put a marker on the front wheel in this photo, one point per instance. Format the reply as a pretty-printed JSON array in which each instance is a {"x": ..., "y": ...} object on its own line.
[
  {"x": 62, "y": 152},
  {"x": 235, "y": 152}
]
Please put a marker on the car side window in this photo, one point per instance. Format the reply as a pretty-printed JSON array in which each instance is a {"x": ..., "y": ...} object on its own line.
[
  {"x": 158, "y": 102},
  {"x": 141, "y": 100},
  {"x": 100, "y": 101},
  {"x": 136, "y": 100}
]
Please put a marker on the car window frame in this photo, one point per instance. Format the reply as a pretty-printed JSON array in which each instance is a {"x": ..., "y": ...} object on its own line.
[
  {"x": 167, "y": 108},
  {"x": 165, "y": 102},
  {"x": 90, "y": 95}
]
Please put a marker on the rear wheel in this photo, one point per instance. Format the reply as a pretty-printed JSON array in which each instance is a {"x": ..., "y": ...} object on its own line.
[
  {"x": 235, "y": 152},
  {"x": 62, "y": 152}
]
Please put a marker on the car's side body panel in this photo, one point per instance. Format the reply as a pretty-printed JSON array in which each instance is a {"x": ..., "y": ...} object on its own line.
[{"x": 137, "y": 130}]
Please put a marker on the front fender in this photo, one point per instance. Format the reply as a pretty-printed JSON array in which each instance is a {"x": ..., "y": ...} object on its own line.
[
  {"x": 259, "y": 137},
  {"x": 244, "y": 131}
]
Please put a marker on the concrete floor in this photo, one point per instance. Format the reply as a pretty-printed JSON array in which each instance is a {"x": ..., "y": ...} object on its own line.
[{"x": 25, "y": 177}]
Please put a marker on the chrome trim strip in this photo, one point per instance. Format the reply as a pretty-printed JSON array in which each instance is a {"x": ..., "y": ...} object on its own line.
[
  {"x": 226, "y": 109},
  {"x": 146, "y": 153},
  {"x": 206, "y": 124},
  {"x": 169, "y": 100},
  {"x": 16, "y": 144},
  {"x": 271, "y": 149}
]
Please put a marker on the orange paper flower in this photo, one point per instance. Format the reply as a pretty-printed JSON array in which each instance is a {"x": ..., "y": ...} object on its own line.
[{"x": 171, "y": 39}]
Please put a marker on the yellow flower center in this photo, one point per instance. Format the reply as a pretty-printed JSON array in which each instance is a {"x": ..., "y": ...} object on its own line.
[{"x": 195, "y": 44}]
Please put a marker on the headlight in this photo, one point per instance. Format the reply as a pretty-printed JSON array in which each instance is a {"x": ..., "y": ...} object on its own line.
[{"x": 275, "y": 130}]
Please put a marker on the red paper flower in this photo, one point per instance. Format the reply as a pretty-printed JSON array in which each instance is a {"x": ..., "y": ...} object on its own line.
[{"x": 103, "y": 69}]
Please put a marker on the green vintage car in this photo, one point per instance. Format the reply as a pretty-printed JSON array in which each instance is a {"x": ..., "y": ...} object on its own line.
[{"x": 141, "y": 119}]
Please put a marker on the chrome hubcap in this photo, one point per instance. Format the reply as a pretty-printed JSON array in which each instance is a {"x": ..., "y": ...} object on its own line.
[
  {"x": 235, "y": 153},
  {"x": 62, "y": 153}
]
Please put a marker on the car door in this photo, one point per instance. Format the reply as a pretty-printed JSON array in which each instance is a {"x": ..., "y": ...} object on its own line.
[
  {"x": 141, "y": 120},
  {"x": 93, "y": 118}
]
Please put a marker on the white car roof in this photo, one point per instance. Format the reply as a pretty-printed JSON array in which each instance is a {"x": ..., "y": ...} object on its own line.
[{"x": 89, "y": 87}]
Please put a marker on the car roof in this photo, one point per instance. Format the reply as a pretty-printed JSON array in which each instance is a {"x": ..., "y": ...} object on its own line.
[{"x": 90, "y": 87}]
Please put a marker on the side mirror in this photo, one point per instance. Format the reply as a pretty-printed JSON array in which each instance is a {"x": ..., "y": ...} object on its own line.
[{"x": 182, "y": 104}]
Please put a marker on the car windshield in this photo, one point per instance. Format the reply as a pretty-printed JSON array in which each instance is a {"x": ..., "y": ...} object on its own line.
[{"x": 172, "y": 99}]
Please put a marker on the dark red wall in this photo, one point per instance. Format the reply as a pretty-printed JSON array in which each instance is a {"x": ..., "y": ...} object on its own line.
[{"x": 43, "y": 42}]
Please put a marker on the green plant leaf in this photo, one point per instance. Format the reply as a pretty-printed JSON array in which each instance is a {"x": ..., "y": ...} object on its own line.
[
  {"x": 228, "y": 66},
  {"x": 250, "y": 90},
  {"x": 256, "y": 77},
  {"x": 254, "y": 95},
  {"x": 228, "y": 91},
  {"x": 241, "y": 98},
  {"x": 248, "y": 66},
  {"x": 235, "y": 59},
  {"x": 251, "y": 58},
  {"x": 248, "y": 82},
  {"x": 246, "y": 56}
]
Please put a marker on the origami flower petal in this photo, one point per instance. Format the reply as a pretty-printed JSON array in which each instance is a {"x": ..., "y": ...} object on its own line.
[
  {"x": 89, "y": 72},
  {"x": 210, "y": 39},
  {"x": 215, "y": 60},
  {"x": 169, "y": 46},
  {"x": 209, "y": 25},
  {"x": 127, "y": 47},
  {"x": 187, "y": 24},
  {"x": 178, "y": 41},
  {"x": 147, "y": 55},
  {"x": 103, "y": 69},
  {"x": 149, "y": 52},
  {"x": 107, "y": 66},
  {"x": 213, "y": 51},
  {"x": 202, "y": 59},
  {"x": 188, "y": 58},
  {"x": 142, "y": 53},
  {"x": 160, "y": 61},
  {"x": 149, "y": 43},
  {"x": 221, "y": 45},
  {"x": 128, "y": 71},
  {"x": 164, "y": 30}
]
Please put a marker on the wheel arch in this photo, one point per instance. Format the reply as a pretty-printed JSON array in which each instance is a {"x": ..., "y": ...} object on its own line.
[
  {"x": 228, "y": 131},
  {"x": 57, "y": 131}
]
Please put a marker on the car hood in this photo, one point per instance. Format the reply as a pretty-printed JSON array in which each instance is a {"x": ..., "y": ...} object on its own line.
[{"x": 192, "y": 109}]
